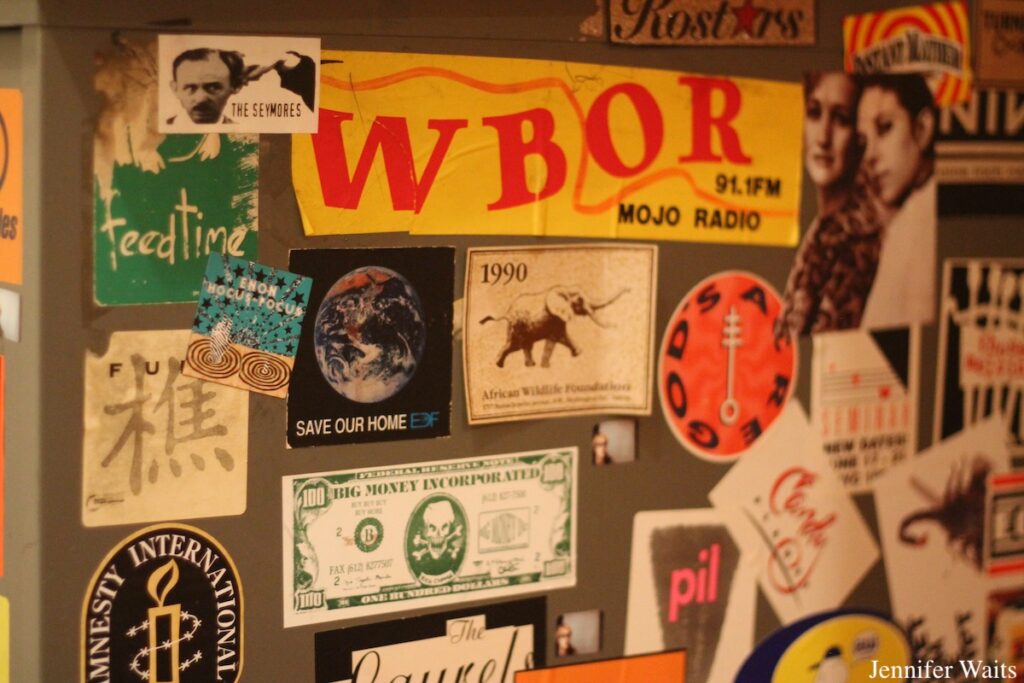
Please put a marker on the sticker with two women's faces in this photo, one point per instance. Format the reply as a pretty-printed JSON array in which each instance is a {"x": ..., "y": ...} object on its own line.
[
  {"x": 723, "y": 375},
  {"x": 558, "y": 330},
  {"x": 867, "y": 259}
]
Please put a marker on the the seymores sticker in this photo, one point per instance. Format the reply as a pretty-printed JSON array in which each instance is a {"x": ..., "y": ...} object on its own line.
[{"x": 523, "y": 147}]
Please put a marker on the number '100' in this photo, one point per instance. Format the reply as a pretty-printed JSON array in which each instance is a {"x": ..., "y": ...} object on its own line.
[{"x": 313, "y": 497}]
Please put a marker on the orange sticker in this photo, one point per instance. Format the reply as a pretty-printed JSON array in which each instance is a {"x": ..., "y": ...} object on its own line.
[
  {"x": 3, "y": 370},
  {"x": 667, "y": 667},
  {"x": 11, "y": 181},
  {"x": 724, "y": 375}
]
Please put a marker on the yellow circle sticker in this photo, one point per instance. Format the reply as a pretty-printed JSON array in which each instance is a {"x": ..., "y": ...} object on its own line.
[{"x": 843, "y": 649}]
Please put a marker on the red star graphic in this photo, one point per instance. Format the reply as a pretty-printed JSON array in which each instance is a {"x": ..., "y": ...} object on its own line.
[
  {"x": 855, "y": 378},
  {"x": 884, "y": 392},
  {"x": 745, "y": 16}
]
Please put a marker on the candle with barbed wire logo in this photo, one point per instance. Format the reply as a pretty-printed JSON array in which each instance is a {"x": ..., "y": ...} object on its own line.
[{"x": 164, "y": 606}]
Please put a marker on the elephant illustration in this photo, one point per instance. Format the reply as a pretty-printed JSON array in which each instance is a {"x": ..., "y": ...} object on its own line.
[{"x": 544, "y": 315}]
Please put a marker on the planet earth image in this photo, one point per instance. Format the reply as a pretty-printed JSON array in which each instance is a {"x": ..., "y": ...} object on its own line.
[{"x": 369, "y": 334}]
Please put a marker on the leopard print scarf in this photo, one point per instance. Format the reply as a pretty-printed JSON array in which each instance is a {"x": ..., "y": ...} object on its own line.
[{"x": 834, "y": 269}]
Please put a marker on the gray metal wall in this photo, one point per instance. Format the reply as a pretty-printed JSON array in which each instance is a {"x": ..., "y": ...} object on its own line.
[{"x": 51, "y": 556}]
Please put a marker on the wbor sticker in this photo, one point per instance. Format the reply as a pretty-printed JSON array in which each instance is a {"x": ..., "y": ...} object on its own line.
[{"x": 724, "y": 376}]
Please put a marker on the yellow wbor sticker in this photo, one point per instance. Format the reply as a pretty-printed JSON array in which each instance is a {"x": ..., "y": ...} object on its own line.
[{"x": 436, "y": 144}]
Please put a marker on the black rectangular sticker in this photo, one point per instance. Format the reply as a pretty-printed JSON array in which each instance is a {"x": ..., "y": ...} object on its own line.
[
  {"x": 495, "y": 641},
  {"x": 375, "y": 355}
]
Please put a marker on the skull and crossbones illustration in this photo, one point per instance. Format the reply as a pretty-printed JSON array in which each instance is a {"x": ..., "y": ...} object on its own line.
[{"x": 439, "y": 534}]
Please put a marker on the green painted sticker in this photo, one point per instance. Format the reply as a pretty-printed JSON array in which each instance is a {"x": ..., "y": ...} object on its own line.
[{"x": 162, "y": 203}]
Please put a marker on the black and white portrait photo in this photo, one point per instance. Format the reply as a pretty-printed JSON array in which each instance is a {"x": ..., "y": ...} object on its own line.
[
  {"x": 613, "y": 441},
  {"x": 212, "y": 84},
  {"x": 867, "y": 258},
  {"x": 578, "y": 633}
]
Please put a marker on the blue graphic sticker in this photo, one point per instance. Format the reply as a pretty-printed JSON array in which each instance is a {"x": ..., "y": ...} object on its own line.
[{"x": 247, "y": 325}]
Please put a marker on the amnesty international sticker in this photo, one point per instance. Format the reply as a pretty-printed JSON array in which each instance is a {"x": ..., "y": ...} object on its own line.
[
  {"x": 724, "y": 376},
  {"x": 165, "y": 606}
]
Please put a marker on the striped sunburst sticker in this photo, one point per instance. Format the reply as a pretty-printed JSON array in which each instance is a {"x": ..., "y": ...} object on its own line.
[{"x": 933, "y": 39}]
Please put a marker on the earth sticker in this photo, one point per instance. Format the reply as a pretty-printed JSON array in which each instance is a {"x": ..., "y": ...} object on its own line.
[
  {"x": 374, "y": 361},
  {"x": 370, "y": 334},
  {"x": 435, "y": 540}
]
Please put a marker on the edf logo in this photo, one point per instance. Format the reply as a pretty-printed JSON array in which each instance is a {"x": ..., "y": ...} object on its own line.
[{"x": 423, "y": 420}]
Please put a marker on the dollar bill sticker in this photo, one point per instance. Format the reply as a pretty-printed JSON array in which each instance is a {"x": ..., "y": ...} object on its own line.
[{"x": 386, "y": 539}]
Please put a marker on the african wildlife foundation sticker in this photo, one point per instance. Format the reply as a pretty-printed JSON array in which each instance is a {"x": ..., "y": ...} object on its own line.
[
  {"x": 559, "y": 330},
  {"x": 165, "y": 606}
]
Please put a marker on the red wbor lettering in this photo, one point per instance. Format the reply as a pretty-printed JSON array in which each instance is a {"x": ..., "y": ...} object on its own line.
[{"x": 520, "y": 136}]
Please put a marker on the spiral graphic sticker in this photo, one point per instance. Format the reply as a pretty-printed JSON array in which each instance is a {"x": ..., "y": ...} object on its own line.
[
  {"x": 247, "y": 325},
  {"x": 265, "y": 372},
  {"x": 203, "y": 358}
]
